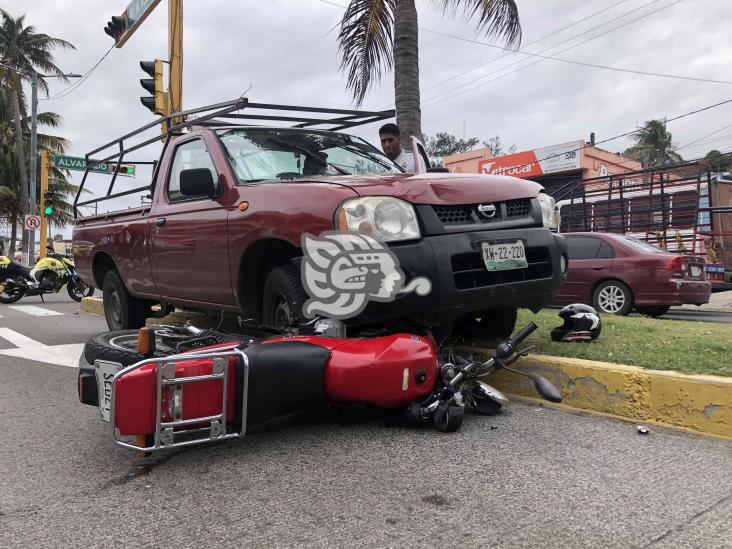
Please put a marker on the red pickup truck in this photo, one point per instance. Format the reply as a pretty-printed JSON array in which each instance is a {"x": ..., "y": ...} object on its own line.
[{"x": 230, "y": 204}]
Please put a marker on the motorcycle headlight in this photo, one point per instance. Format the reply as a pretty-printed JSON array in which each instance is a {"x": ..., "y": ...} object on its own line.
[
  {"x": 548, "y": 210},
  {"x": 386, "y": 218}
]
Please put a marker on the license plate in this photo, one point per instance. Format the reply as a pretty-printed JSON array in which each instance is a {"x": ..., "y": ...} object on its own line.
[
  {"x": 696, "y": 270},
  {"x": 105, "y": 372},
  {"x": 504, "y": 256}
]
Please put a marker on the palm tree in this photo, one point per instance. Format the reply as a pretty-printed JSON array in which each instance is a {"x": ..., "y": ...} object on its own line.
[
  {"x": 653, "y": 146},
  {"x": 23, "y": 51},
  {"x": 11, "y": 203},
  {"x": 378, "y": 35}
]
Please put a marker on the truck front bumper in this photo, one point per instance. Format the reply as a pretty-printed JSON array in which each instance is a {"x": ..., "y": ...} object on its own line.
[{"x": 461, "y": 283}]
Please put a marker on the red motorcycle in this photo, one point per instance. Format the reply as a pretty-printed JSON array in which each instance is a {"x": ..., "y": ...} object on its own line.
[{"x": 174, "y": 387}]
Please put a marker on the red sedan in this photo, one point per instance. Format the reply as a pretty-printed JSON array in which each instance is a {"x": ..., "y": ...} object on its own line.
[{"x": 615, "y": 273}]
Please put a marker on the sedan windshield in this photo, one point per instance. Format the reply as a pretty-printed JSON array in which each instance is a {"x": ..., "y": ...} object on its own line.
[{"x": 270, "y": 154}]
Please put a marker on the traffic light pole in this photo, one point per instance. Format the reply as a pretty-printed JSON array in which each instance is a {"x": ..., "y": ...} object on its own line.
[
  {"x": 175, "y": 56},
  {"x": 44, "y": 217}
]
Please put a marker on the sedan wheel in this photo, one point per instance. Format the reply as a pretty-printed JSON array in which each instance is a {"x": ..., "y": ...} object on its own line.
[{"x": 613, "y": 297}]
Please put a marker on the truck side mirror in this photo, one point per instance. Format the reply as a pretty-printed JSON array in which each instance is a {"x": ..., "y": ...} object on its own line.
[
  {"x": 197, "y": 182},
  {"x": 438, "y": 170}
]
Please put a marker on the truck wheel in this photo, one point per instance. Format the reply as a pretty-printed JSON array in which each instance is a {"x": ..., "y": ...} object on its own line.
[
  {"x": 613, "y": 297},
  {"x": 122, "y": 311},
  {"x": 654, "y": 311},
  {"x": 283, "y": 298},
  {"x": 496, "y": 324}
]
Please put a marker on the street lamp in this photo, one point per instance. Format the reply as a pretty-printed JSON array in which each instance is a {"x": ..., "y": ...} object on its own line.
[{"x": 34, "y": 147}]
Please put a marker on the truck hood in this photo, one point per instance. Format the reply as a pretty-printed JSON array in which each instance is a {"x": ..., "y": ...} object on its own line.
[{"x": 441, "y": 188}]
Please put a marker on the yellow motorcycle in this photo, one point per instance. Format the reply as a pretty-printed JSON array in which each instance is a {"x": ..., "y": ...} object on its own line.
[{"x": 48, "y": 276}]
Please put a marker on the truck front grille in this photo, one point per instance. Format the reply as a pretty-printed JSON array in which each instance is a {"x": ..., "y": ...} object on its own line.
[
  {"x": 518, "y": 208},
  {"x": 452, "y": 215},
  {"x": 468, "y": 214},
  {"x": 469, "y": 270}
]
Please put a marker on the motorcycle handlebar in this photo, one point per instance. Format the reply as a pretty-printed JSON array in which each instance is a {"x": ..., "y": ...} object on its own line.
[{"x": 523, "y": 334}]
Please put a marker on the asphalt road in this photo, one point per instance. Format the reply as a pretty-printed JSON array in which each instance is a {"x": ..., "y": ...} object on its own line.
[{"x": 530, "y": 477}]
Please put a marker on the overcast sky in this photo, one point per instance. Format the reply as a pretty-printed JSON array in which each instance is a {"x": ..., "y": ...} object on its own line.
[{"x": 283, "y": 49}]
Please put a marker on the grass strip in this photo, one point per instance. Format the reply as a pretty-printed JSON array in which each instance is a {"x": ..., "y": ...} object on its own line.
[{"x": 682, "y": 346}]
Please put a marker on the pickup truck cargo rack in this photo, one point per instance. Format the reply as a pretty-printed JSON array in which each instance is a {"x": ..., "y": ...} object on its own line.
[{"x": 218, "y": 114}]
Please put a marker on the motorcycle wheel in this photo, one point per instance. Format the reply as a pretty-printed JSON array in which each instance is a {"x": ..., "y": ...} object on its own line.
[
  {"x": 485, "y": 406},
  {"x": 448, "y": 417},
  {"x": 79, "y": 289},
  {"x": 11, "y": 295},
  {"x": 120, "y": 346}
]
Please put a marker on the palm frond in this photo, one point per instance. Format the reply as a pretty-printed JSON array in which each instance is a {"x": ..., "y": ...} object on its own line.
[
  {"x": 495, "y": 18},
  {"x": 365, "y": 43}
]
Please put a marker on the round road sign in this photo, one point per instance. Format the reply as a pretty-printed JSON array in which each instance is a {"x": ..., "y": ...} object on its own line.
[{"x": 32, "y": 222}]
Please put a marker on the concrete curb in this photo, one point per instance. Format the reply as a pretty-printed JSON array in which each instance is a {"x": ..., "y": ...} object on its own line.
[
  {"x": 92, "y": 305},
  {"x": 697, "y": 403}
]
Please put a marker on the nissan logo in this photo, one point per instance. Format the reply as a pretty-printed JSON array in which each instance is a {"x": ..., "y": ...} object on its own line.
[{"x": 487, "y": 210}]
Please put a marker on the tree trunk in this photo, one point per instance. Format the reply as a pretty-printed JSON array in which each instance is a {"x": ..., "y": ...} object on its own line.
[
  {"x": 13, "y": 235},
  {"x": 406, "y": 72},
  {"x": 22, "y": 175}
]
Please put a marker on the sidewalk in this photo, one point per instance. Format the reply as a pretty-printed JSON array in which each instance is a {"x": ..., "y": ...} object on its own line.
[{"x": 719, "y": 302}]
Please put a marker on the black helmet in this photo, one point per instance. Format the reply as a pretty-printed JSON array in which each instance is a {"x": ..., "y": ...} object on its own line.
[{"x": 581, "y": 323}]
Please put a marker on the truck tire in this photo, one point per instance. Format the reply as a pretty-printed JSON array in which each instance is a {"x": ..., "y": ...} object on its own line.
[
  {"x": 493, "y": 325},
  {"x": 122, "y": 310},
  {"x": 613, "y": 297},
  {"x": 282, "y": 298},
  {"x": 117, "y": 346}
]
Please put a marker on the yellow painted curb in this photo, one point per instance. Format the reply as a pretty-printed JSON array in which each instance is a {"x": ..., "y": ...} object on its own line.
[
  {"x": 92, "y": 305},
  {"x": 699, "y": 403}
]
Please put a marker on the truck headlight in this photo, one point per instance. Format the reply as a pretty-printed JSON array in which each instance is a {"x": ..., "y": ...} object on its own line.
[
  {"x": 548, "y": 210},
  {"x": 384, "y": 217}
]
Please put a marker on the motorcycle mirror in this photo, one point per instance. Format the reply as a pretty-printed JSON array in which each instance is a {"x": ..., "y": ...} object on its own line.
[{"x": 546, "y": 388}]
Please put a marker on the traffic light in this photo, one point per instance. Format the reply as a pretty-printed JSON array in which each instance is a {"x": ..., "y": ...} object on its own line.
[
  {"x": 48, "y": 197},
  {"x": 158, "y": 103},
  {"x": 116, "y": 27}
]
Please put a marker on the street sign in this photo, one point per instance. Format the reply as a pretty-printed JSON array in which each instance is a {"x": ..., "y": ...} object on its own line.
[
  {"x": 79, "y": 163},
  {"x": 32, "y": 222},
  {"x": 136, "y": 12}
]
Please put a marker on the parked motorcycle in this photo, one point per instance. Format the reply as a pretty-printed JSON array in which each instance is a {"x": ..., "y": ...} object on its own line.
[
  {"x": 171, "y": 387},
  {"x": 48, "y": 276}
]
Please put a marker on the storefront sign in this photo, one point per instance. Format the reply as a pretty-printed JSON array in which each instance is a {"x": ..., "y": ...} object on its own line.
[{"x": 555, "y": 159}]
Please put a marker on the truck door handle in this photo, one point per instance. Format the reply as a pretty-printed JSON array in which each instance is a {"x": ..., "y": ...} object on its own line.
[{"x": 160, "y": 221}]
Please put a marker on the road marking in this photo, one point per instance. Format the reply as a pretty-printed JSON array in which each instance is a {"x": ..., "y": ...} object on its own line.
[
  {"x": 30, "y": 349},
  {"x": 35, "y": 311}
]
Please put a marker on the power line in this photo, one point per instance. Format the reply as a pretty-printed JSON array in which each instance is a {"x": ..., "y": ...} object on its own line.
[
  {"x": 617, "y": 69},
  {"x": 76, "y": 85},
  {"x": 626, "y": 134},
  {"x": 704, "y": 137},
  {"x": 505, "y": 54}
]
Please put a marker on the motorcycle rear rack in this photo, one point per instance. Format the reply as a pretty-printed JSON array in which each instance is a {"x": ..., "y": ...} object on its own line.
[{"x": 165, "y": 435}]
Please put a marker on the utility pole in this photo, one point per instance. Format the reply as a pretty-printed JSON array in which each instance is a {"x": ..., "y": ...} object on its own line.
[
  {"x": 33, "y": 163},
  {"x": 34, "y": 154},
  {"x": 175, "y": 56}
]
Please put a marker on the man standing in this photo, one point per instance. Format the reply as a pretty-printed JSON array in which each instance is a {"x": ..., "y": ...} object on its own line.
[{"x": 389, "y": 134}]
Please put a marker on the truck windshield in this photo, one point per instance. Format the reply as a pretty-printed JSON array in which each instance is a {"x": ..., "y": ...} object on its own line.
[{"x": 271, "y": 154}]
